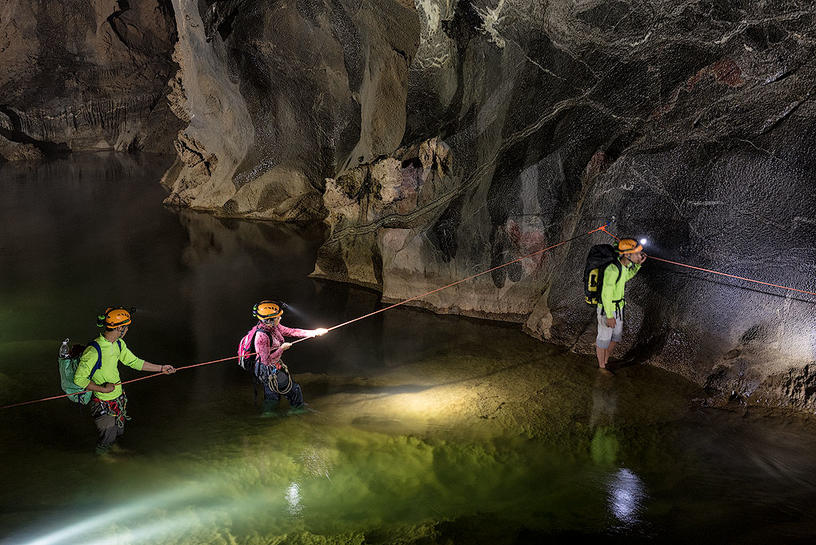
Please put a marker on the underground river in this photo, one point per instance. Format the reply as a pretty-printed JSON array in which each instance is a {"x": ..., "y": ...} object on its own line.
[{"x": 427, "y": 429}]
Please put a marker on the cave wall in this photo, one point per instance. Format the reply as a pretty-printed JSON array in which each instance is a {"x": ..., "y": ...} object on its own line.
[
  {"x": 692, "y": 125},
  {"x": 320, "y": 85},
  {"x": 80, "y": 75}
]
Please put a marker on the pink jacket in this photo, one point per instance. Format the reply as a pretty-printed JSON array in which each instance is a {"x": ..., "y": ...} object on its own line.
[{"x": 268, "y": 347}]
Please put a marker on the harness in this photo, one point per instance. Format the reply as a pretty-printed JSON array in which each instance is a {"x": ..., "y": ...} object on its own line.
[
  {"x": 618, "y": 307},
  {"x": 269, "y": 373},
  {"x": 116, "y": 407}
]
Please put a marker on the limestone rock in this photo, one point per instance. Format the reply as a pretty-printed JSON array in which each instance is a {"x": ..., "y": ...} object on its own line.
[
  {"x": 388, "y": 195},
  {"x": 284, "y": 96},
  {"x": 87, "y": 75},
  {"x": 220, "y": 129},
  {"x": 15, "y": 151},
  {"x": 280, "y": 193}
]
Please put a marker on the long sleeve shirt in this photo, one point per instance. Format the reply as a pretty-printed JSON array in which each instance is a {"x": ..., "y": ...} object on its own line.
[
  {"x": 109, "y": 371},
  {"x": 268, "y": 347},
  {"x": 614, "y": 286}
]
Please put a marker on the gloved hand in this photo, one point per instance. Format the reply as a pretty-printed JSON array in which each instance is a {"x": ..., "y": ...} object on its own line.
[{"x": 321, "y": 331}]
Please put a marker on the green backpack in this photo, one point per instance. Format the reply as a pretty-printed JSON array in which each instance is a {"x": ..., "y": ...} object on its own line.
[{"x": 68, "y": 362}]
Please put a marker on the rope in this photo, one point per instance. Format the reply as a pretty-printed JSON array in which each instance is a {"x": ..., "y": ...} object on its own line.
[
  {"x": 273, "y": 381},
  {"x": 711, "y": 271},
  {"x": 471, "y": 277},
  {"x": 145, "y": 377},
  {"x": 732, "y": 276}
]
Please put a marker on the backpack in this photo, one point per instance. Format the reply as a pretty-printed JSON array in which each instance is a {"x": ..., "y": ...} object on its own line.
[
  {"x": 246, "y": 350},
  {"x": 68, "y": 362},
  {"x": 598, "y": 259}
]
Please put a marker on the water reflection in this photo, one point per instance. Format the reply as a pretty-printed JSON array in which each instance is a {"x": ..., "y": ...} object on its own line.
[
  {"x": 604, "y": 446},
  {"x": 625, "y": 491},
  {"x": 293, "y": 499},
  {"x": 626, "y": 495}
]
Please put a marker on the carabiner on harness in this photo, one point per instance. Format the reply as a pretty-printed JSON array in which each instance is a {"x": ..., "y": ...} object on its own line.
[{"x": 273, "y": 380}]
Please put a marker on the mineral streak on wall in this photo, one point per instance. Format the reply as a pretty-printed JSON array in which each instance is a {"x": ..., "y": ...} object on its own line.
[{"x": 436, "y": 138}]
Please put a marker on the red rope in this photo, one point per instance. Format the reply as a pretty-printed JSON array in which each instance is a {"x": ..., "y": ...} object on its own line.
[
  {"x": 471, "y": 277},
  {"x": 733, "y": 276},
  {"x": 718, "y": 272},
  {"x": 145, "y": 377}
]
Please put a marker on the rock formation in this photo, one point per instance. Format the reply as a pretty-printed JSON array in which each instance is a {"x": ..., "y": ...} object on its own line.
[
  {"x": 83, "y": 75},
  {"x": 281, "y": 96}
]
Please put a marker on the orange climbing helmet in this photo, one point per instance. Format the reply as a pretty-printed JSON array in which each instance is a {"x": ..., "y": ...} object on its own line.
[
  {"x": 114, "y": 317},
  {"x": 629, "y": 246},
  {"x": 267, "y": 310}
]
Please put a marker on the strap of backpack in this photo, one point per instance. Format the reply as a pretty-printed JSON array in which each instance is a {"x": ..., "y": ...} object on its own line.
[
  {"x": 258, "y": 330},
  {"x": 98, "y": 364}
]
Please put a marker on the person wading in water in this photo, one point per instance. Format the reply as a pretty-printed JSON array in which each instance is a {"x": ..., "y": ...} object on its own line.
[
  {"x": 269, "y": 345},
  {"x": 98, "y": 372},
  {"x": 610, "y": 310}
]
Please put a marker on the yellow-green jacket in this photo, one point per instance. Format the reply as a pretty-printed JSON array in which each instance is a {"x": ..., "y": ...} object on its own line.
[
  {"x": 614, "y": 286},
  {"x": 109, "y": 372}
]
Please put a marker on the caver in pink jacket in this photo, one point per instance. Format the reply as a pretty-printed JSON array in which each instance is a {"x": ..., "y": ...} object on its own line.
[{"x": 268, "y": 347}]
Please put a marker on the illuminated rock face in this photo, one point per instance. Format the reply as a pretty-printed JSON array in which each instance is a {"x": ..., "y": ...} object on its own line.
[
  {"x": 691, "y": 127},
  {"x": 79, "y": 75},
  {"x": 280, "y": 96}
]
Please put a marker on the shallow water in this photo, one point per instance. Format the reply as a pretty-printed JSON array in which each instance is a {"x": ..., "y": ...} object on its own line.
[{"x": 428, "y": 429}]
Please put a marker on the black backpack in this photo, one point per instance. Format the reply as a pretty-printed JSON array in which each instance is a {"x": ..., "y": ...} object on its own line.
[{"x": 599, "y": 258}]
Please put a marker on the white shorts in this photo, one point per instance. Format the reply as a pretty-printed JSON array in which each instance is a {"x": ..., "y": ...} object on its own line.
[{"x": 608, "y": 334}]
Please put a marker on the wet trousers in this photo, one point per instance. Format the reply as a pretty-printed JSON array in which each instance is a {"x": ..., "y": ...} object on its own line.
[
  {"x": 109, "y": 419},
  {"x": 282, "y": 379}
]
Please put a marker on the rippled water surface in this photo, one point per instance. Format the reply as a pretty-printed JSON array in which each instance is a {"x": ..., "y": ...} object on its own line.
[{"x": 427, "y": 429}]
